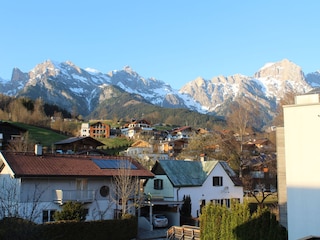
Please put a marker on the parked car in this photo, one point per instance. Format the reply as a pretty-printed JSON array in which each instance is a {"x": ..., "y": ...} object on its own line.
[{"x": 159, "y": 220}]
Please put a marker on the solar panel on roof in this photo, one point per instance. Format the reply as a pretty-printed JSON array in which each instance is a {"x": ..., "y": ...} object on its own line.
[{"x": 114, "y": 164}]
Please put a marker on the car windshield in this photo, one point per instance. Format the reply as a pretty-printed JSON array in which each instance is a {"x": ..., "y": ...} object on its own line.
[{"x": 160, "y": 216}]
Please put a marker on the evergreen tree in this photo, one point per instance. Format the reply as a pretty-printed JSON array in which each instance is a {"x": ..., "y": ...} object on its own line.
[
  {"x": 185, "y": 210},
  {"x": 71, "y": 211}
]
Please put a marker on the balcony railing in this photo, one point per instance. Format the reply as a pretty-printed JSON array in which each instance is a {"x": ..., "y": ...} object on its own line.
[{"x": 84, "y": 196}]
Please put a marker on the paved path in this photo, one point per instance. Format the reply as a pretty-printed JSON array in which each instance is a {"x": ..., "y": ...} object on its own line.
[{"x": 156, "y": 234}]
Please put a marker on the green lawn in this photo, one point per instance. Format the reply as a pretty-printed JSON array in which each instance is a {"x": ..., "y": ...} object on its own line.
[
  {"x": 45, "y": 137},
  {"x": 272, "y": 199},
  {"x": 115, "y": 142}
]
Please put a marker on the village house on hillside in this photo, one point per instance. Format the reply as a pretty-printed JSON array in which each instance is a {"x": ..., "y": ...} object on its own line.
[
  {"x": 182, "y": 132},
  {"x": 34, "y": 186},
  {"x": 77, "y": 145},
  {"x": 204, "y": 181},
  {"x": 95, "y": 130},
  {"x": 136, "y": 127}
]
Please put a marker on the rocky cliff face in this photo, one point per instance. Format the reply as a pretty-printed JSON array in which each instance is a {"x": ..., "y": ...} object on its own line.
[
  {"x": 268, "y": 84},
  {"x": 72, "y": 87}
]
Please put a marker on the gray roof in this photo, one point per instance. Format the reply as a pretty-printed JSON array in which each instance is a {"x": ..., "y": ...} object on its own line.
[
  {"x": 187, "y": 173},
  {"x": 79, "y": 139}
]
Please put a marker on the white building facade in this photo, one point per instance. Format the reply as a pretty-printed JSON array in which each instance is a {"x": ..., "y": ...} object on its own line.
[
  {"x": 302, "y": 164},
  {"x": 204, "y": 182}
]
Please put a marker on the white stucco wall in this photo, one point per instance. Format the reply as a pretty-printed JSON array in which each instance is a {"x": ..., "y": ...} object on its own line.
[
  {"x": 167, "y": 193},
  {"x": 209, "y": 192},
  {"x": 29, "y": 190},
  {"x": 205, "y": 192},
  {"x": 301, "y": 133}
]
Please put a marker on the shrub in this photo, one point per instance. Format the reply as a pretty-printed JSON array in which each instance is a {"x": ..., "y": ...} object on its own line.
[{"x": 71, "y": 211}]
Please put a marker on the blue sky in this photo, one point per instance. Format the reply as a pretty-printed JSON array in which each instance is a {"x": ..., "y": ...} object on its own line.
[{"x": 173, "y": 41}]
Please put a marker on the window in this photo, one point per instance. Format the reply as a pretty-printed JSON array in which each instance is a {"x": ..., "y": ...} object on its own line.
[
  {"x": 217, "y": 201},
  {"x": 217, "y": 181},
  {"x": 158, "y": 184},
  {"x": 86, "y": 211},
  {"x": 47, "y": 215},
  {"x": 227, "y": 202}
]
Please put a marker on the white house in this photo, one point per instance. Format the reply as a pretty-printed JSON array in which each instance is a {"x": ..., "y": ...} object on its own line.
[
  {"x": 137, "y": 126},
  {"x": 205, "y": 181},
  {"x": 298, "y": 171},
  {"x": 34, "y": 186},
  {"x": 146, "y": 151},
  {"x": 85, "y": 130}
]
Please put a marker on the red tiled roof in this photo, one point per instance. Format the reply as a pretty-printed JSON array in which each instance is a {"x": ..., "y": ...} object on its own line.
[
  {"x": 182, "y": 129},
  {"x": 31, "y": 165}
]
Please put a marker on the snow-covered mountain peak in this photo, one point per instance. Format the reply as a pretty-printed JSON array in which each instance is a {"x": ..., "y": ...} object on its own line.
[
  {"x": 66, "y": 85},
  {"x": 283, "y": 70}
]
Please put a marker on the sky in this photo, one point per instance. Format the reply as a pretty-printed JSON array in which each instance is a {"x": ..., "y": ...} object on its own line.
[{"x": 171, "y": 40}]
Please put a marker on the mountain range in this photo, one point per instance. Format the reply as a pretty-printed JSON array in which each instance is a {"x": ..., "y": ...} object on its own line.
[{"x": 88, "y": 91}]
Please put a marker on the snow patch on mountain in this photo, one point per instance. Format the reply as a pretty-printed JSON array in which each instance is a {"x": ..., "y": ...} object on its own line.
[{"x": 92, "y": 71}]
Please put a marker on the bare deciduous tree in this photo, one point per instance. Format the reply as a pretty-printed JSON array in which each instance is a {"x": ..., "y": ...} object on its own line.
[
  {"x": 23, "y": 144},
  {"x": 38, "y": 116},
  {"x": 99, "y": 212},
  {"x": 199, "y": 144},
  {"x": 126, "y": 187},
  {"x": 238, "y": 120},
  {"x": 288, "y": 98},
  {"x": 13, "y": 204}
]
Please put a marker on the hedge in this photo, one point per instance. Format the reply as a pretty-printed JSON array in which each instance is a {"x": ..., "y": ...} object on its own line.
[{"x": 69, "y": 230}]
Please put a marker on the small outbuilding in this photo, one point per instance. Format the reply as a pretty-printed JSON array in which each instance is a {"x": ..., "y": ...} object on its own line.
[{"x": 77, "y": 144}]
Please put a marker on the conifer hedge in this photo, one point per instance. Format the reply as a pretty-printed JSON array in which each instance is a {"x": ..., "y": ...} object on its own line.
[{"x": 236, "y": 223}]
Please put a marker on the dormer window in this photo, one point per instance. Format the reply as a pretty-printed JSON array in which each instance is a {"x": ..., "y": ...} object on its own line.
[
  {"x": 158, "y": 184},
  {"x": 217, "y": 181}
]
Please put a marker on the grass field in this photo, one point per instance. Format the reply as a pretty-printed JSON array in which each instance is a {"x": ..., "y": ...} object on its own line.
[{"x": 45, "y": 137}]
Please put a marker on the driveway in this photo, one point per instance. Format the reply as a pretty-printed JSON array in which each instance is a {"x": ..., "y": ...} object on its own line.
[{"x": 156, "y": 234}]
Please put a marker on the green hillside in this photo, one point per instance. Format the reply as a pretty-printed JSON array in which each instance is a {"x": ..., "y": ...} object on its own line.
[{"x": 44, "y": 136}]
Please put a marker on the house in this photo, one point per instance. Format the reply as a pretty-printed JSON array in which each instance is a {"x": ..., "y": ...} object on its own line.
[
  {"x": 258, "y": 145},
  {"x": 205, "y": 182},
  {"x": 95, "y": 130},
  {"x": 85, "y": 130},
  {"x": 10, "y": 132},
  {"x": 99, "y": 130},
  {"x": 77, "y": 144},
  {"x": 262, "y": 171},
  {"x": 146, "y": 152},
  {"x": 176, "y": 146},
  {"x": 35, "y": 185},
  {"x": 140, "y": 147},
  {"x": 183, "y": 132},
  {"x": 135, "y": 127},
  {"x": 298, "y": 166}
]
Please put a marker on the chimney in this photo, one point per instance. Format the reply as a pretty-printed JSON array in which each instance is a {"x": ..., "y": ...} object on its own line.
[
  {"x": 203, "y": 157},
  {"x": 38, "y": 149}
]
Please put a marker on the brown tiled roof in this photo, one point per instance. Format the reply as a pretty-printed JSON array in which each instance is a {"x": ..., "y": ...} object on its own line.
[{"x": 31, "y": 165}]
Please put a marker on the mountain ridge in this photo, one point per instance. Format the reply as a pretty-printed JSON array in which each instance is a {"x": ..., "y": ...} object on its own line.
[{"x": 70, "y": 86}]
